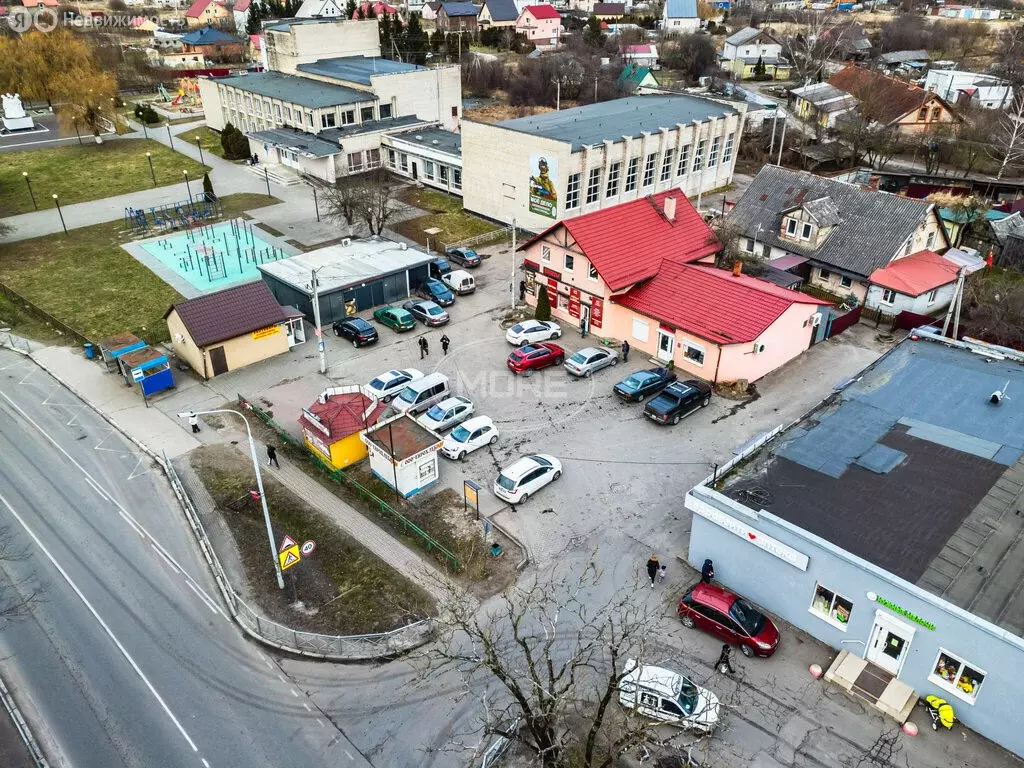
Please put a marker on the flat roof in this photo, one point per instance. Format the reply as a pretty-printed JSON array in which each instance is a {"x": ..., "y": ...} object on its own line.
[
  {"x": 356, "y": 69},
  {"x": 912, "y": 468},
  {"x": 343, "y": 266},
  {"x": 371, "y": 126},
  {"x": 298, "y": 141},
  {"x": 435, "y": 138},
  {"x": 408, "y": 436},
  {"x": 296, "y": 90},
  {"x": 632, "y": 116}
]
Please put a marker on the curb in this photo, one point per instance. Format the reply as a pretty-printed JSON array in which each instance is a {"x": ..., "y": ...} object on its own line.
[
  {"x": 512, "y": 537},
  {"x": 22, "y": 725}
]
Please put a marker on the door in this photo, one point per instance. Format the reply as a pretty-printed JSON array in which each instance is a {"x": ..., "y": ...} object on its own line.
[
  {"x": 219, "y": 361},
  {"x": 889, "y": 642},
  {"x": 415, "y": 173},
  {"x": 666, "y": 345}
]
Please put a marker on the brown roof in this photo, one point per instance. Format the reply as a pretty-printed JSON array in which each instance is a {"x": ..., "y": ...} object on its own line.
[
  {"x": 609, "y": 9},
  {"x": 229, "y": 313},
  {"x": 882, "y": 98},
  {"x": 119, "y": 341},
  {"x": 410, "y": 438}
]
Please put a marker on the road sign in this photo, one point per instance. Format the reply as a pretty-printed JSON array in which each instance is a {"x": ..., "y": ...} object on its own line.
[
  {"x": 287, "y": 543},
  {"x": 308, "y": 547},
  {"x": 138, "y": 375},
  {"x": 320, "y": 347},
  {"x": 289, "y": 557}
]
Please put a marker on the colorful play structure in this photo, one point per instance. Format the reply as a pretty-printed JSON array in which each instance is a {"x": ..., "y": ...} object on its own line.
[
  {"x": 182, "y": 215},
  {"x": 188, "y": 93}
]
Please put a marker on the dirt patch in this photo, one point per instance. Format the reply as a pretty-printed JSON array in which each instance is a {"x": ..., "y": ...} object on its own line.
[
  {"x": 341, "y": 589},
  {"x": 740, "y": 389},
  {"x": 495, "y": 113}
]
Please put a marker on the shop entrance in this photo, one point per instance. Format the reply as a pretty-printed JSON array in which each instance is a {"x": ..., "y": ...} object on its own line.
[
  {"x": 889, "y": 642},
  {"x": 666, "y": 345}
]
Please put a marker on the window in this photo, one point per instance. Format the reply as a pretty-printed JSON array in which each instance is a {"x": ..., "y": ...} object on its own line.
[
  {"x": 563, "y": 304},
  {"x": 805, "y": 233},
  {"x": 248, "y": 103},
  {"x": 932, "y": 294},
  {"x": 428, "y": 170},
  {"x": 922, "y": 113},
  {"x": 309, "y": 119},
  {"x": 456, "y": 178},
  {"x": 442, "y": 172},
  {"x": 832, "y": 607},
  {"x": 908, "y": 246},
  {"x": 748, "y": 245},
  {"x": 713, "y": 154},
  {"x": 348, "y": 117},
  {"x": 666, "y": 164},
  {"x": 374, "y": 158},
  {"x": 403, "y": 161},
  {"x": 266, "y": 108},
  {"x": 569, "y": 260},
  {"x": 845, "y": 282},
  {"x": 259, "y": 108},
  {"x": 365, "y": 114},
  {"x": 640, "y": 330},
  {"x": 693, "y": 352},
  {"x": 698, "y": 158},
  {"x": 931, "y": 240},
  {"x": 428, "y": 470},
  {"x": 355, "y": 161},
  {"x": 277, "y": 111},
  {"x": 288, "y": 114},
  {"x": 391, "y": 158},
  {"x": 649, "y": 169},
  {"x": 592, "y": 272},
  {"x": 385, "y": 111},
  {"x": 545, "y": 253},
  {"x": 790, "y": 226},
  {"x": 572, "y": 192},
  {"x": 957, "y": 676},
  {"x": 327, "y": 120},
  {"x": 613, "y": 180},
  {"x": 455, "y": 111},
  {"x": 593, "y": 185},
  {"x": 631, "y": 170},
  {"x": 727, "y": 152},
  {"x": 888, "y": 296},
  {"x": 936, "y": 113},
  {"x": 824, "y": 274},
  {"x": 684, "y": 161}
]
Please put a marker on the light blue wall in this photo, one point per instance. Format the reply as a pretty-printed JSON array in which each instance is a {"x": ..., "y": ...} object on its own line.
[{"x": 786, "y": 592}]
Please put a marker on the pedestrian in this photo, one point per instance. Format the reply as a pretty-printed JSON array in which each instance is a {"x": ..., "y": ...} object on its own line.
[
  {"x": 424, "y": 349},
  {"x": 723, "y": 664},
  {"x": 625, "y": 351},
  {"x": 272, "y": 457},
  {"x": 653, "y": 566},
  {"x": 707, "y": 572},
  {"x": 522, "y": 290},
  {"x": 193, "y": 421},
  {"x": 445, "y": 341}
]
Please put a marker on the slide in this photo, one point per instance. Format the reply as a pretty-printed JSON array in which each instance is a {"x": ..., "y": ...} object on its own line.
[
  {"x": 181, "y": 95},
  {"x": 163, "y": 92}
]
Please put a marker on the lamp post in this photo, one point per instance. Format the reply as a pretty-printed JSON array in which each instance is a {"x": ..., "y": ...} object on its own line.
[
  {"x": 170, "y": 138},
  {"x": 259, "y": 484},
  {"x": 321, "y": 346},
  {"x": 316, "y": 204},
  {"x": 149, "y": 156},
  {"x": 188, "y": 187},
  {"x": 199, "y": 144},
  {"x": 60, "y": 213},
  {"x": 30, "y": 192}
]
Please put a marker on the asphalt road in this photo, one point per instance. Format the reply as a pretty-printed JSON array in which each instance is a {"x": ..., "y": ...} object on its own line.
[{"x": 127, "y": 658}]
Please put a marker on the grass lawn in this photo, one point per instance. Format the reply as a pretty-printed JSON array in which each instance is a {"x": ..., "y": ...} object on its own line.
[
  {"x": 445, "y": 213},
  {"x": 25, "y": 324},
  {"x": 88, "y": 281},
  {"x": 210, "y": 140},
  {"x": 80, "y": 173}
]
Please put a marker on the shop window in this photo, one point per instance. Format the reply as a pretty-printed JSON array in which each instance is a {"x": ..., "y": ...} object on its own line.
[
  {"x": 649, "y": 164},
  {"x": 832, "y": 607},
  {"x": 631, "y": 171},
  {"x": 693, "y": 352},
  {"x": 666, "y": 164},
  {"x": 545, "y": 253},
  {"x": 953, "y": 674},
  {"x": 684, "y": 161},
  {"x": 572, "y": 192},
  {"x": 569, "y": 262}
]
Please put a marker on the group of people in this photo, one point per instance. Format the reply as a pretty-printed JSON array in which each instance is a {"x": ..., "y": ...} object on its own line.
[{"x": 425, "y": 346}]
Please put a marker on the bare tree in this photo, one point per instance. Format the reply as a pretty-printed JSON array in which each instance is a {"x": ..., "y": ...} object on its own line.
[
  {"x": 973, "y": 138},
  {"x": 1008, "y": 140},
  {"x": 883, "y": 143},
  {"x": 995, "y": 306},
  {"x": 340, "y": 199},
  {"x": 811, "y": 46},
  {"x": 377, "y": 201},
  {"x": 1010, "y": 56}
]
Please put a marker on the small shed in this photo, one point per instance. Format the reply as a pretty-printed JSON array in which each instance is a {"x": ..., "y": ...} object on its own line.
[
  {"x": 332, "y": 424},
  {"x": 148, "y": 368},
  {"x": 113, "y": 347},
  {"x": 403, "y": 454}
]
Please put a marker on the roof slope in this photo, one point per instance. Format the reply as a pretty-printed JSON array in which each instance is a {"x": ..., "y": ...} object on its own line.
[
  {"x": 609, "y": 9},
  {"x": 459, "y": 9},
  {"x": 916, "y": 274},
  {"x": 713, "y": 303},
  {"x": 881, "y": 98},
  {"x": 342, "y": 414},
  {"x": 502, "y": 10},
  {"x": 194, "y": 11},
  {"x": 900, "y": 57},
  {"x": 543, "y": 11},
  {"x": 681, "y": 9},
  {"x": 875, "y": 225},
  {"x": 744, "y": 35},
  {"x": 209, "y": 36},
  {"x": 296, "y": 90},
  {"x": 229, "y": 313}
]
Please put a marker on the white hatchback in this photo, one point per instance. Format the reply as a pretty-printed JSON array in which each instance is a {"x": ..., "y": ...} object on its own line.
[
  {"x": 517, "y": 482},
  {"x": 662, "y": 694},
  {"x": 532, "y": 331},
  {"x": 468, "y": 436}
]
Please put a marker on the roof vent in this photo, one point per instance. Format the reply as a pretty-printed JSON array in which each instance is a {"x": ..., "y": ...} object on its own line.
[
  {"x": 346, "y": 242},
  {"x": 434, "y": 142},
  {"x": 997, "y": 397},
  {"x": 420, "y": 138},
  {"x": 670, "y": 208},
  {"x": 402, "y": 246}
]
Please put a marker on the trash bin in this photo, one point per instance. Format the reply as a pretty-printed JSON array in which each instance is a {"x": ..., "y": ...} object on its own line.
[{"x": 90, "y": 350}]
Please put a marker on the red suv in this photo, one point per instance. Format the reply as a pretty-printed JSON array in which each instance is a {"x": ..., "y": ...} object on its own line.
[
  {"x": 733, "y": 619},
  {"x": 533, "y": 357}
]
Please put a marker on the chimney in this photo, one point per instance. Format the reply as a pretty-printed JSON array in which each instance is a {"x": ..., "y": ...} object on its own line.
[
  {"x": 737, "y": 268},
  {"x": 670, "y": 208}
]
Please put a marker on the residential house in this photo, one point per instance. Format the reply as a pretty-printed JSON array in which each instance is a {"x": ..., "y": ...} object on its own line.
[
  {"x": 374, "y": 10},
  {"x": 635, "y": 79},
  {"x": 498, "y": 13},
  {"x": 207, "y": 13},
  {"x": 457, "y": 17},
  {"x": 321, "y": 9},
  {"x": 429, "y": 13},
  {"x": 822, "y": 103},
  {"x": 750, "y": 48},
  {"x": 968, "y": 12},
  {"x": 837, "y": 233},
  {"x": 240, "y": 12},
  {"x": 609, "y": 11},
  {"x": 331, "y": 426},
  {"x": 215, "y": 45},
  {"x": 969, "y": 88},
  {"x": 906, "y": 59},
  {"x": 644, "y": 55},
  {"x": 540, "y": 24},
  {"x": 853, "y": 42},
  {"x": 923, "y": 283},
  {"x": 680, "y": 16},
  {"x": 908, "y": 108}
]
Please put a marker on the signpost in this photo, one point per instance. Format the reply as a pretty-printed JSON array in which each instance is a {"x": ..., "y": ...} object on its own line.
[
  {"x": 288, "y": 553},
  {"x": 471, "y": 495}
]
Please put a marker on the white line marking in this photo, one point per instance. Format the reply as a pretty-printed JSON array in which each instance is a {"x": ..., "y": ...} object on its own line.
[
  {"x": 294, "y": 692},
  {"x": 206, "y": 764},
  {"x": 102, "y": 623},
  {"x": 267, "y": 662},
  {"x": 135, "y": 472},
  {"x": 320, "y": 723},
  {"x": 349, "y": 755},
  {"x": 308, "y": 708},
  {"x": 281, "y": 678},
  {"x": 167, "y": 560},
  {"x": 213, "y": 608}
]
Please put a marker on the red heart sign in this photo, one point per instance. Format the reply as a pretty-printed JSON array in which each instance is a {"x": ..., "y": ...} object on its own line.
[{"x": 751, "y": 536}]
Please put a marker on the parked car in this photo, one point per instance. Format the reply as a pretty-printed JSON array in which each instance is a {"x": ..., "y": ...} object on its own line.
[
  {"x": 356, "y": 330},
  {"x": 468, "y": 436},
  {"x": 439, "y": 268},
  {"x": 459, "y": 281},
  {"x": 387, "y": 385},
  {"x": 531, "y": 331},
  {"x": 421, "y": 395},
  {"x": 517, "y": 482},
  {"x": 638, "y": 386},
  {"x": 533, "y": 357},
  {"x": 678, "y": 400},
  {"x": 662, "y": 694},
  {"x": 465, "y": 257},
  {"x": 729, "y": 617},
  {"x": 436, "y": 291},
  {"x": 447, "y": 414},
  {"x": 395, "y": 318},
  {"x": 427, "y": 312},
  {"x": 590, "y": 360}
]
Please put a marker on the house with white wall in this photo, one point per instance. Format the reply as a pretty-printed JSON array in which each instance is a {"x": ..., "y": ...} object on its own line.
[
  {"x": 923, "y": 283},
  {"x": 748, "y": 47},
  {"x": 679, "y": 17}
]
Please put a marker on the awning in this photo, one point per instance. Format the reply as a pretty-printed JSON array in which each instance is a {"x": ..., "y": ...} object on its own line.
[{"x": 787, "y": 262}]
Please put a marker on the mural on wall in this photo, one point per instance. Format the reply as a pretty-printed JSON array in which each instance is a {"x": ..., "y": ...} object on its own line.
[{"x": 543, "y": 186}]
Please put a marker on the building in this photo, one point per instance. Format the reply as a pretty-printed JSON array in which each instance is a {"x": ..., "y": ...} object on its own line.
[
  {"x": 636, "y": 79},
  {"x": 680, "y": 16},
  {"x": 563, "y": 164},
  {"x": 457, "y": 17},
  {"x": 643, "y": 55},
  {"x": 886, "y": 524},
  {"x": 429, "y": 13},
  {"x": 332, "y": 425},
  {"x": 853, "y": 41},
  {"x": 214, "y": 45},
  {"x": 321, "y": 9},
  {"x": 432, "y": 157},
  {"x": 747, "y": 50},
  {"x": 374, "y": 10},
  {"x": 923, "y": 283},
  {"x": 841, "y": 232},
  {"x": 240, "y": 12},
  {"x": 969, "y": 88},
  {"x": 887, "y": 101},
  {"x": 207, "y": 13},
  {"x": 822, "y": 103},
  {"x": 540, "y": 24},
  {"x": 498, "y": 13},
  {"x": 290, "y": 42},
  {"x": 609, "y": 11},
  {"x": 403, "y": 455},
  {"x": 233, "y": 328},
  {"x": 906, "y": 59},
  {"x": 356, "y": 275},
  {"x": 970, "y": 12}
]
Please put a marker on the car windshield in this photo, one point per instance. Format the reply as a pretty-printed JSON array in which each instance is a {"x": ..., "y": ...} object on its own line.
[
  {"x": 541, "y": 460},
  {"x": 436, "y": 413},
  {"x": 435, "y": 311},
  {"x": 688, "y": 696},
  {"x": 408, "y": 395},
  {"x": 459, "y": 434},
  {"x": 401, "y": 315},
  {"x": 518, "y": 328},
  {"x": 506, "y": 483},
  {"x": 579, "y": 357},
  {"x": 748, "y": 617},
  {"x": 378, "y": 384}
]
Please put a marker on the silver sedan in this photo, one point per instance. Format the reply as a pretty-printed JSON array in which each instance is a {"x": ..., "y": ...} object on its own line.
[{"x": 590, "y": 360}]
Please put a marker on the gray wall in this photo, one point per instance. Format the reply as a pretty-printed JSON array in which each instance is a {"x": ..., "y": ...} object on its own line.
[{"x": 786, "y": 591}]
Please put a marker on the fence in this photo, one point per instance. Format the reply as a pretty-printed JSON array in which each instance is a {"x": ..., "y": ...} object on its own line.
[
  {"x": 842, "y": 322},
  {"x": 331, "y": 647},
  {"x": 821, "y": 293},
  {"x": 486, "y": 237},
  {"x": 878, "y": 316},
  {"x": 43, "y": 315}
]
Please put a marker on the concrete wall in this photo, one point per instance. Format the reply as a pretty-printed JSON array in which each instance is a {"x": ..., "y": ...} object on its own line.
[
  {"x": 788, "y": 337},
  {"x": 305, "y": 43},
  {"x": 422, "y": 92},
  {"x": 919, "y": 304},
  {"x": 213, "y": 109},
  {"x": 183, "y": 345},
  {"x": 786, "y": 591},
  {"x": 678, "y": 26}
]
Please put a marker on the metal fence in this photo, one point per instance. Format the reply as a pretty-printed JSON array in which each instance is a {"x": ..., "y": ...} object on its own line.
[
  {"x": 486, "y": 237},
  {"x": 43, "y": 315}
]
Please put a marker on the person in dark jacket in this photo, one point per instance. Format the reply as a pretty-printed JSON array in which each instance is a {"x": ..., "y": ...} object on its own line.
[
  {"x": 522, "y": 290},
  {"x": 424, "y": 347},
  {"x": 653, "y": 566},
  {"x": 272, "y": 457},
  {"x": 625, "y": 351},
  {"x": 707, "y": 572},
  {"x": 723, "y": 664},
  {"x": 445, "y": 343}
]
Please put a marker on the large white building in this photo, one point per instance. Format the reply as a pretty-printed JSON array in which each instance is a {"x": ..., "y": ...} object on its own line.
[{"x": 959, "y": 87}]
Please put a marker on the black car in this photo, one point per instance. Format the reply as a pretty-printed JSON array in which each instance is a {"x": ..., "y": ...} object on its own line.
[
  {"x": 356, "y": 330},
  {"x": 678, "y": 400},
  {"x": 439, "y": 268},
  {"x": 467, "y": 257},
  {"x": 638, "y": 386},
  {"x": 435, "y": 290}
]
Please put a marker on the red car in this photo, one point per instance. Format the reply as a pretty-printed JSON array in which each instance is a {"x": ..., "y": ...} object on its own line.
[
  {"x": 533, "y": 357},
  {"x": 729, "y": 617}
]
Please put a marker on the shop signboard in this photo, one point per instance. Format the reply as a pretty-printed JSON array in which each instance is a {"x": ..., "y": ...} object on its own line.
[
  {"x": 543, "y": 186},
  {"x": 751, "y": 535},
  {"x": 596, "y": 311},
  {"x": 553, "y": 292},
  {"x": 264, "y": 333},
  {"x": 574, "y": 302},
  {"x": 904, "y": 612}
]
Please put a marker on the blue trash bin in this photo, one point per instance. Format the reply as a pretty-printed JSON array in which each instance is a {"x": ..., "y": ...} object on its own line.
[{"x": 90, "y": 351}]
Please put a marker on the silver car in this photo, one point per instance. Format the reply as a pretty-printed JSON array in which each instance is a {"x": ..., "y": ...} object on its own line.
[
  {"x": 589, "y": 360},
  {"x": 447, "y": 413}
]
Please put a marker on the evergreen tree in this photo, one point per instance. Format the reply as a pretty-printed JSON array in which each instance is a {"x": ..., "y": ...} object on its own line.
[
  {"x": 254, "y": 21},
  {"x": 370, "y": 13},
  {"x": 361, "y": 14},
  {"x": 592, "y": 34},
  {"x": 350, "y": 9},
  {"x": 543, "y": 311},
  {"x": 208, "y": 187},
  {"x": 416, "y": 42},
  {"x": 759, "y": 68},
  {"x": 384, "y": 28},
  {"x": 225, "y": 137}
]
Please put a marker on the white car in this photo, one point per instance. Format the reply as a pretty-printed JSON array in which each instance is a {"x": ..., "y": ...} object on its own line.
[
  {"x": 531, "y": 331},
  {"x": 516, "y": 483},
  {"x": 386, "y": 386},
  {"x": 662, "y": 694},
  {"x": 590, "y": 360},
  {"x": 447, "y": 413},
  {"x": 468, "y": 436}
]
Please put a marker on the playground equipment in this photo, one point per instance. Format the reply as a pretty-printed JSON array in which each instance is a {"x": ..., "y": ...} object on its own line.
[
  {"x": 188, "y": 92},
  {"x": 164, "y": 95},
  {"x": 187, "y": 213}
]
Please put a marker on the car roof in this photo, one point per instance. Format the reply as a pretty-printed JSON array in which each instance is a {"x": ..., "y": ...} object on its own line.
[
  {"x": 476, "y": 422},
  {"x": 449, "y": 402},
  {"x": 435, "y": 281},
  {"x": 660, "y": 679},
  {"x": 357, "y": 321},
  {"x": 714, "y": 596},
  {"x": 520, "y": 467},
  {"x": 460, "y": 273},
  {"x": 678, "y": 388},
  {"x": 589, "y": 351}
]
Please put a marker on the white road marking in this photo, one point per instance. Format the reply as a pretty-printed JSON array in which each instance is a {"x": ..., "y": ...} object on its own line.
[
  {"x": 320, "y": 723},
  {"x": 308, "y": 708},
  {"x": 267, "y": 662},
  {"x": 349, "y": 755},
  {"x": 206, "y": 764},
  {"x": 281, "y": 678},
  {"x": 213, "y": 608},
  {"x": 135, "y": 472},
  {"x": 172, "y": 566},
  {"x": 101, "y": 442},
  {"x": 294, "y": 692},
  {"x": 102, "y": 623}
]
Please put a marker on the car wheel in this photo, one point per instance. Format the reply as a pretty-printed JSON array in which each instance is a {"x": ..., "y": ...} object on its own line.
[
  {"x": 705, "y": 403},
  {"x": 688, "y": 621},
  {"x": 387, "y": 398},
  {"x": 641, "y": 398},
  {"x": 355, "y": 343},
  {"x": 461, "y": 456},
  {"x": 523, "y": 498},
  {"x": 558, "y": 474},
  {"x": 558, "y": 334},
  {"x": 493, "y": 440},
  {"x": 615, "y": 360},
  {"x": 337, "y": 332},
  {"x": 553, "y": 336},
  {"x": 675, "y": 419},
  {"x": 586, "y": 374},
  {"x": 528, "y": 372},
  {"x": 558, "y": 360},
  {"x": 747, "y": 650}
]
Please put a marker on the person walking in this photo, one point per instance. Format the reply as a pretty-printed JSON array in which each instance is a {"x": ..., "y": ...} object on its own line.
[
  {"x": 625, "y": 351},
  {"x": 445, "y": 341},
  {"x": 653, "y": 566},
  {"x": 723, "y": 664},
  {"x": 272, "y": 457},
  {"x": 424, "y": 348},
  {"x": 193, "y": 422},
  {"x": 522, "y": 290},
  {"x": 707, "y": 572}
]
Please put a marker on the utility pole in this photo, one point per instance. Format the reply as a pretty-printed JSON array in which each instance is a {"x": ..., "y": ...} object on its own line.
[
  {"x": 595, "y": 90},
  {"x": 321, "y": 346},
  {"x": 782, "y": 142},
  {"x": 512, "y": 285},
  {"x": 558, "y": 94}
]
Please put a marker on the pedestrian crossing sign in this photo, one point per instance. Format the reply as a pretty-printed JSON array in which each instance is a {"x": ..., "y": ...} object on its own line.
[{"x": 289, "y": 557}]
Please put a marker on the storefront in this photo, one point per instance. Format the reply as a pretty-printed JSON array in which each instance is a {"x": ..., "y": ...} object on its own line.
[
  {"x": 403, "y": 455},
  {"x": 568, "y": 303}
]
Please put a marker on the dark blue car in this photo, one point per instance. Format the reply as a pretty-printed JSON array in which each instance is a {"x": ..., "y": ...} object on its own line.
[{"x": 437, "y": 291}]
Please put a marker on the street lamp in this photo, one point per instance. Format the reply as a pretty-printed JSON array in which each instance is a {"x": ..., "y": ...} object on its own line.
[
  {"x": 321, "y": 346},
  {"x": 30, "y": 192},
  {"x": 199, "y": 144},
  {"x": 149, "y": 156},
  {"x": 259, "y": 483},
  {"x": 170, "y": 138},
  {"x": 60, "y": 213},
  {"x": 188, "y": 188}
]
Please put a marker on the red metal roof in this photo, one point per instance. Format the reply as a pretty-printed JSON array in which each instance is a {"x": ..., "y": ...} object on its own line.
[
  {"x": 241, "y": 6},
  {"x": 196, "y": 9},
  {"x": 915, "y": 274},
  {"x": 628, "y": 242},
  {"x": 342, "y": 415},
  {"x": 543, "y": 11},
  {"x": 712, "y": 303}
]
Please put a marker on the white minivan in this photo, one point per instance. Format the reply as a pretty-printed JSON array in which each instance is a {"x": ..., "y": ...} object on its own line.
[
  {"x": 420, "y": 394},
  {"x": 460, "y": 281},
  {"x": 662, "y": 694}
]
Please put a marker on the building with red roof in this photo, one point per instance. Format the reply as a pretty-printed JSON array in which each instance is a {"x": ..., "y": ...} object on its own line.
[
  {"x": 541, "y": 24},
  {"x": 923, "y": 282},
  {"x": 208, "y": 13},
  {"x": 331, "y": 426}
]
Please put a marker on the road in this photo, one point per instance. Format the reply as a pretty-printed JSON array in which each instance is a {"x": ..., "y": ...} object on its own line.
[{"x": 128, "y": 658}]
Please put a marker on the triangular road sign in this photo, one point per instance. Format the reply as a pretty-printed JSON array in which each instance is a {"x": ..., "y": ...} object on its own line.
[
  {"x": 289, "y": 558},
  {"x": 288, "y": 543}
]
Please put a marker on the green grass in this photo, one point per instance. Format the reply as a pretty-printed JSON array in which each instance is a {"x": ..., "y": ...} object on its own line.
[
  {"x": 24, "y": 323},
  {"x": 210, "y": 140},
  {"x": 88, "y": 172},
  {"x": 88, "y": 281},
  {"x": 445, "y": 213}
]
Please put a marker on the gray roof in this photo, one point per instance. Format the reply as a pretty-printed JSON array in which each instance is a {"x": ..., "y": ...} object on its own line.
[
  {"x": 460, "y": 9},
  {"x": 765, "y": 60},
  {"x": 873, "y": 225},
  {"x": 1006, "y": 226},
  {"x": 823, "y": 211},
  {"x": 502, "y": 10},
  {"x": 356, "y": 69},
  {"x": 631, "y": 116},
  {"x": 297, "y": 141},
  {"x": 744, "y": 35},
  {"x": 900, "y": 57},
  {"x": 371, "y": 126},
  {"x": 296, "y": 90},
  {"x": 436, "y": 138},
  {"x": 819, "y": 93}
]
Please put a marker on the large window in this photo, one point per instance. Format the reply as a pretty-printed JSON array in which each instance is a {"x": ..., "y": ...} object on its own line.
[
  {"x": 693, "y": 352},
  {"x": 666, "y": 164},
  {"x": 684, "y": 161},
  {"x": 631, "y": 171},
  {"x": 831, "y": 606},
  {"x": 327, "y": 120},
  {"x": 572, "y": 192},
  {"x": 649, "y": 164},
  {"x": 958, "y": 677},
  {"x": 593, "y": 185},
  {"x": 385, "y": 111},
  {"x": 698, "y": 158},
  {"x": 428, "y": 170},
  {"x": 366, "y": 114},
  {"x": 348, "y": 117},
  {"x": 355, "y": 162},
  {"x": 713, "y": 154},
  {"x": 727, "y": 152},
  {"x": 613, "y": 180}
]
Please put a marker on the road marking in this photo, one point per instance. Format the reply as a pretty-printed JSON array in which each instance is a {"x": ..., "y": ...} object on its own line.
[
  {"x": 206, "y": 764},
  {"x": 294, "y": 692},
  {"x": 308, "y": 708},
  {"x": 206, "y": 601},
  {"x": 135, "y": 472},
  {"x": 101, "y": 442},
  {"x": 349, "y": 755},
  {"x": 281, "y": 678},
  {"x": 172, "y": 566},
  {"x": 320, "y": 723},
  {"x": 267, "y": 662},
  {"x": 102, "y": 623}
]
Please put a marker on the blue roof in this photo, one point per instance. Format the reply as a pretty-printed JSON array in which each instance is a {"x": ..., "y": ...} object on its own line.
[
  {"x": 296, "y": 90},
  {"x": 356, "y": 69},
  {"x": 208, "y": 36},
  {"x": 502, "y": 10},
  {"x": 459, "y": 9},
  {"x": 681, "y": 9}
]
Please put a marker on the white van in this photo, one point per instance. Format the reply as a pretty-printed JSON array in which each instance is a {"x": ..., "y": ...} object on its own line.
[
  {"x": 420, "y": 394},
  {"x": 460, "y": 281},
  {"x": 662, "y": 694}
]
